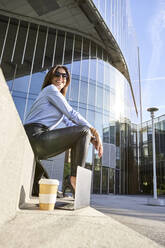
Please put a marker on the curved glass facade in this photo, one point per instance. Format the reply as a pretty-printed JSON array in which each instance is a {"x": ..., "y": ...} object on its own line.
[
  {"x": 97, "y": 90},
  {"x": 117, "y": 17}
]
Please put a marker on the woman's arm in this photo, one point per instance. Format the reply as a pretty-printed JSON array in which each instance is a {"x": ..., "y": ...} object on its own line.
[
  {"x": 60, "y": 102},
  {"x": 68, "y": 123}
]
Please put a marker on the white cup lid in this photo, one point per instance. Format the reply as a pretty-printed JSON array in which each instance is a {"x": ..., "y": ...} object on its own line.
[{"x": 48, "y": 181}]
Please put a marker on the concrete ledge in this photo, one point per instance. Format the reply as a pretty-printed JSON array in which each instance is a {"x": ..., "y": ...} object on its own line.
[
  {"x": 16, "y": 160},
  {"x": 84, "y": 228}
]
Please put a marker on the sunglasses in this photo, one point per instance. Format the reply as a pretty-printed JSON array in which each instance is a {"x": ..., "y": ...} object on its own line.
[{"x": 58, "y": 74}]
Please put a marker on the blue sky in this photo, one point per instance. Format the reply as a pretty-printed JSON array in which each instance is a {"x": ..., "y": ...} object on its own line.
[{"x": 148, "y": 18}]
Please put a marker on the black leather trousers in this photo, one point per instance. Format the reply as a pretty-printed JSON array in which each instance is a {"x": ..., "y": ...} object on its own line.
[{"x": 46, "y": 144}]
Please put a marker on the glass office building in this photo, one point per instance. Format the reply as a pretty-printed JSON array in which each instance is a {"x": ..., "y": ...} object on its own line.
[
  {"x": 104, "y": 94},
  {"x": 146, "y": 156}
]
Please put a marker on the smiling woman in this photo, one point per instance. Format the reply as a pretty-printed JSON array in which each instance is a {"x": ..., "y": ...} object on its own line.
[
  {"x": 58, "y": 75},
  {"x": 59, "y": 79},
  {"x": 53, "y": 126}
]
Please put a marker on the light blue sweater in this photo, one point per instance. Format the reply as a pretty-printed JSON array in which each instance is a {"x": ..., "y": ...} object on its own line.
[{"x": 52, "y": 110}]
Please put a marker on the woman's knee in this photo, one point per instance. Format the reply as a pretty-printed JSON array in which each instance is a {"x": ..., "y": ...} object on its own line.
[{"x": 85, "y": 131}]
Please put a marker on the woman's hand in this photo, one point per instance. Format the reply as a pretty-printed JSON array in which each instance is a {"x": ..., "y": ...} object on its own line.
[
  {"x": 96, "y": 141},
  {"x": 97, "y": 146},
  {"x": 100, "y": 150}
]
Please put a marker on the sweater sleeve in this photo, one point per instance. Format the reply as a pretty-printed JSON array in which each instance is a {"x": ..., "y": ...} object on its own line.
[
  {"x": 67, "y": 122},
  {"x": 59, "y": 101}
]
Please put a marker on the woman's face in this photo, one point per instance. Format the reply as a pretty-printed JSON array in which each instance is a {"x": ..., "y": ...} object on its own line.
[{"x": 60, "y": 78}]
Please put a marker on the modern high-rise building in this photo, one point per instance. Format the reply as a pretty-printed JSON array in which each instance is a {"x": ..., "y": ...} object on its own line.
[
  {"x": 96, "y": 41},
  {"x": 146, "y": 156}
]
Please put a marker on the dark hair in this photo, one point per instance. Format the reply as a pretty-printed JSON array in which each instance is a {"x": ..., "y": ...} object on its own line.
[{"x": 50, "y": 75}]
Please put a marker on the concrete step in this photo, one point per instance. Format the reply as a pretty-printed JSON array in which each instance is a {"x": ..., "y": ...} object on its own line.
[{"x": 83, "y": 228}]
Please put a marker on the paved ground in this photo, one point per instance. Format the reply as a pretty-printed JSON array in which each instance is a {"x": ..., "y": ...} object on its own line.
[
  {"x": 87, "y": 227},
  {"x": 134, "y": 212}
]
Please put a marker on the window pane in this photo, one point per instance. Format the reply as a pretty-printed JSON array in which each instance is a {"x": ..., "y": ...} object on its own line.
[
  {"x": 77, "y": 56},
  {"x": 100, "y": 97},
  {"x": 74, "y": 90},
  {"x": 20, "y": 42},
  {"x": 91, "y": 117},
  {"x": 36, "y": 82},
  {"x": 21, "y": 84},
  {"x": 20, "y": 104},
  {"x": 40, "y": 49},
  {"x": 59, "y": 47},
  {"x": 68, "y": 49},
  {"x": 91, "y": 96},
  {"x": 83, "y": 92},
  {"x": 82, "y": 112}
]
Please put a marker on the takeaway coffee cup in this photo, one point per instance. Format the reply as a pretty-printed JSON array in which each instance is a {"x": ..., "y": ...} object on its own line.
[{"x": 47, "y": 193}]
